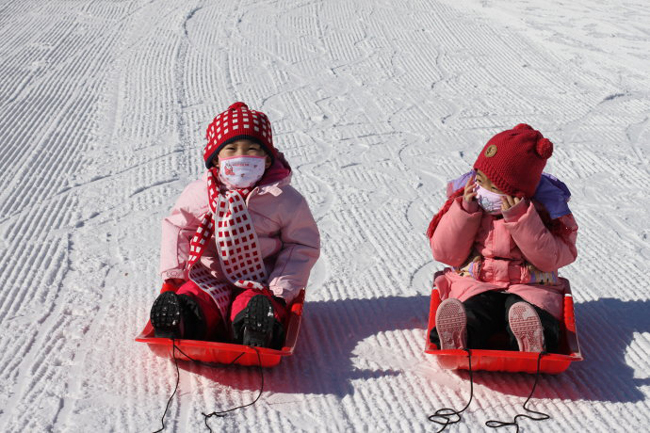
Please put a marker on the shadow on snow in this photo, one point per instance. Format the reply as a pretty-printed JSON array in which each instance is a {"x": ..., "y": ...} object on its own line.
[
  {"x": 323, "y": 361},
  {"x": 606, "y": 329}
]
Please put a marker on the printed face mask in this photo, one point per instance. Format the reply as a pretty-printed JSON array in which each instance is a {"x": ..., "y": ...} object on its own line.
[
  {"x": 488, "y": 200},
  {"x": 241, "y": 171}
]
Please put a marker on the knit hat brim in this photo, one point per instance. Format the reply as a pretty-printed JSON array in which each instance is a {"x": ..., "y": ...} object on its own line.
[{"x": 210, "y": 159}]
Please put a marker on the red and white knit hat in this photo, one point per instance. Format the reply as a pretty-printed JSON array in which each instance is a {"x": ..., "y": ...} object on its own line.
[
  {"x": 514, "y": 159},
  {"x": 236, "y": 123}
]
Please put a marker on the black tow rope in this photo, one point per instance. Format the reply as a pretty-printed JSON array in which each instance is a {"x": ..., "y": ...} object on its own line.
[
  {"x": 448, "y": 416},
  {"x": 218, "y": 414},
  {"x": 542, "y": 416}
]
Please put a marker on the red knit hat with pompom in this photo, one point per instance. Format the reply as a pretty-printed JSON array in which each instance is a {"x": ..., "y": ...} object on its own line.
[
  {"x": 514, "y": 159},
  {"x": 236, "y": 123}
]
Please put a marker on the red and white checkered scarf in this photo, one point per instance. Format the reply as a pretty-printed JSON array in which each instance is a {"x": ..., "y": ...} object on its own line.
[{"x": 236, "y": 242}]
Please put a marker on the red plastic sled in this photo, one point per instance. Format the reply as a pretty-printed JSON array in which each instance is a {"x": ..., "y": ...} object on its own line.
[
  {"x": 227, "y": 353},
  {"x": 508, "y": 360}
]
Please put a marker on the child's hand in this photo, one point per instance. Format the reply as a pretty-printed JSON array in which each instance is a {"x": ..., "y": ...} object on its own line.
[
  {"x": 508, "y": 201},
  {"x": 470, "y": 189}
]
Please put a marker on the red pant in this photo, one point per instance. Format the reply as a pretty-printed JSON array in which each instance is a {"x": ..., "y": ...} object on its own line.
[
  {"x": 214, "y": 324},
  {"x": 243, "y": 296}
]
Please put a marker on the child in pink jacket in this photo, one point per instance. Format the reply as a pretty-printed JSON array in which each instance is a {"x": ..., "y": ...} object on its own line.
[
  {"x": 239, "y": 244},
  {"x": 505, "y": 229}
]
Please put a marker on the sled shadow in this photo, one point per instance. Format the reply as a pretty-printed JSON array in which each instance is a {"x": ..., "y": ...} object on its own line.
[
  {"x": 606, "y": 329},
  {"x": 323, "y": 359}
]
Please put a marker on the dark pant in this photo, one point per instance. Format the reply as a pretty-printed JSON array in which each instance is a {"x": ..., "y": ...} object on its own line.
[{"x": 487, "y": 315}]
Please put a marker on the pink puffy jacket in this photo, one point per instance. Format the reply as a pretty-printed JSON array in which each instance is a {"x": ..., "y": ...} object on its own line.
[
  {"x": 287, "y": 233},
  {"x": 505, "y": 249}
]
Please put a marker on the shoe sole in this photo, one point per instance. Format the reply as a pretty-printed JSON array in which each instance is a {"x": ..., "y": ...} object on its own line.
[
  {"x": 258, "y": 322},
  {"x": 166, "y": 316},
  {"x": 526, "y": 327},
  {"x": 451, "y": 324}
]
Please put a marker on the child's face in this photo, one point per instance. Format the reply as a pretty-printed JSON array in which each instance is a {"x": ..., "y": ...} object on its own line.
[
  {"x": 242, "y": 148},
  {"x": 486, "y": 183}
]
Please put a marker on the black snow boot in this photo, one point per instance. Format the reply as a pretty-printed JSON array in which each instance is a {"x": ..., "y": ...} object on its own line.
[
  {"x": 177, "y": 316},
  {"x": 256, "y": 326}
]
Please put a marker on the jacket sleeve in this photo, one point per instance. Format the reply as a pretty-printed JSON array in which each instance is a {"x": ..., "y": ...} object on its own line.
[
  {"x": 179, "y": 227},
  {"x": 300, "y": 250},
  {"x": 544, "y": 250},
  {"x": 453, "y": 239}
]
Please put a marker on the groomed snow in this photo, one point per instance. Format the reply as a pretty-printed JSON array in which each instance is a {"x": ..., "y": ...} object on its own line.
[{"x": 103, "y": 108}]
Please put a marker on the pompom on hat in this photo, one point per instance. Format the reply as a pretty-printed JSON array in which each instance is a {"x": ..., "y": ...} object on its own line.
[
  {"x": 514, "y": 159},
  {"x": 238, "y": 122}
]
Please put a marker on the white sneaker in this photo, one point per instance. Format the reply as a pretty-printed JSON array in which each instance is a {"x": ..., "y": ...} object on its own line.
[
  {"x": 451, "y": 324},
  {"x": 526, "y": 327}
]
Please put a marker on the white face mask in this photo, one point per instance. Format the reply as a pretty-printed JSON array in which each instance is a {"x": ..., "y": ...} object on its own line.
[
  {"x": 241, "y": 171},
  {"x": 490, "y": 201}
]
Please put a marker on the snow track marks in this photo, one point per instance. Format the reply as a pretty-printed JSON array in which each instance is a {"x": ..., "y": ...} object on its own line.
[{"x": 103, "y": 108}]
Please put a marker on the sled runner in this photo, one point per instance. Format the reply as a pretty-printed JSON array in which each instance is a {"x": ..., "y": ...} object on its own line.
[
  {"x": 508, "y": 360},
  {"x": 226, "y": 353}
]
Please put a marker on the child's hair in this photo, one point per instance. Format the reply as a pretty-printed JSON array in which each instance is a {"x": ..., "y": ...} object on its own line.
[
  {"x": 443, "y": 210},
  {"x": 554, "y": 225}
]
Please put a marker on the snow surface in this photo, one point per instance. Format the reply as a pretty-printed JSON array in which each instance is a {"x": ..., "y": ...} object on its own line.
[{"x": 103, "y": 108}]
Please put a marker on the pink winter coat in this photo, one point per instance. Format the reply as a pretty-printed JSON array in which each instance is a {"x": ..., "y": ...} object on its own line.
[
  {"x": 510, "y": 254},
  {"x": 288, "y": 235}
]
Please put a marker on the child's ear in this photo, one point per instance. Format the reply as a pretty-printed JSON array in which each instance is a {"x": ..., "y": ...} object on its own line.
[{"x": 267, "y": 164}]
